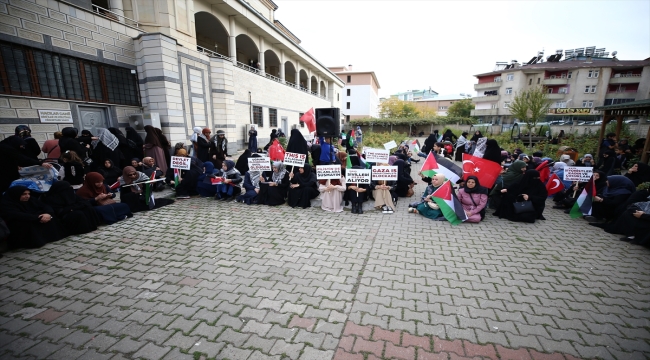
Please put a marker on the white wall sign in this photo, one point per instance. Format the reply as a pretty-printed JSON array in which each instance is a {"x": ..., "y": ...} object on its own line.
[
  {"x": 578, "y": 173},
  {"x": 384, "y": 172},
  {"x": 357, "y": 176},
  {"x": 55, "y": 116},
  {"x": 376, "y": 155},
  {"x": 259, "y": 164},
  {"x": 328, "y": 172},
  {"x": 181, "y": 162}
]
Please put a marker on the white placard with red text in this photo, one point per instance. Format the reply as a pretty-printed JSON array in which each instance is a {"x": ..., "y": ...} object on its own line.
[
  {"x": 181, "y": 162},
  {"x": 357, "y": 176},
  {"x": 377, "y": 156},
  {"x": 384, "y": 173},
  {"x": 294, "y": 159},
  {"x": 259, "y": 164},
  {"x": 324, "y": 172}
]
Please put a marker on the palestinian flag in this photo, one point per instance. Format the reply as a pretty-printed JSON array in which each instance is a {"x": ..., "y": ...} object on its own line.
[
  {"x": 177, "y": 177},
  {"x": 362, "y": 161},
  {"x": 432, "y": 167},
  {"x": 348, "y": 164},
  {"x": 449, "y": 204},
  {"x": 148, "y": 194},
  {"x": 415, "y": 147},
  {"x": 583, "y": 204},
  {"x": 351, "y": 141}
]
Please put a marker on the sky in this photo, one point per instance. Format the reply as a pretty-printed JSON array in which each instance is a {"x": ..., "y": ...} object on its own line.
[{"x": 442, "y": 44}]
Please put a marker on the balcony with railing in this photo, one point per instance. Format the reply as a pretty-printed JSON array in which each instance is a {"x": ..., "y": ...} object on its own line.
[
  {"x": 487, "y": 98},
  {"x": 210, "y": 53},
  {"x": 625, "y": 79},
  {"x": 489, "y": 85},
  {"x": 557, "y": 96},
  {"x": 621, "y": 94},
  {"x": 484, "y": 112},
  {"x": 111, "y": 15},
  {"x": 555, "y": 81}
]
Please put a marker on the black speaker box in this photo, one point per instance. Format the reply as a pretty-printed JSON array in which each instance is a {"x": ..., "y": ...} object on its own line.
[{"x": 328, "y": 122}]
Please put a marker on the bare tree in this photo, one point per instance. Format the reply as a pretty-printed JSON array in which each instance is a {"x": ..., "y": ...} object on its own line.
[{"x": 530, "y": 106}]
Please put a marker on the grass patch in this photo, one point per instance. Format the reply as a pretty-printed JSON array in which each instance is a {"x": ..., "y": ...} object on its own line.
[
  {"x": 549, "y": 269},
  {"x": 598, "y": 295}
]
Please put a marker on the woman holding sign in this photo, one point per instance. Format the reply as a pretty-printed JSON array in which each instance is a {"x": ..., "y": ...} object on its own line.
[
  {"x": 303, "y": 187},
  {"x": 356, "y": 193},
  {"x": 273, "y": 185}
]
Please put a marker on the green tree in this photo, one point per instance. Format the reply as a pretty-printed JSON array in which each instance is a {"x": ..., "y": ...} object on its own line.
[
  {"x": 395, "y": 108},
  {"x": 529, "y": 107},
  {"x": 462, "y": 108}
]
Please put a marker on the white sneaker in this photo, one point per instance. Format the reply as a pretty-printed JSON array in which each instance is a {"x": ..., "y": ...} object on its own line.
[
  {"x": 390, "y": 211},
  {"x": 384, "y": 209}
]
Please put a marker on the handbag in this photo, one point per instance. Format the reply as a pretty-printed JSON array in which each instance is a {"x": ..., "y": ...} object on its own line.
[{"x": 525, "y": 206}]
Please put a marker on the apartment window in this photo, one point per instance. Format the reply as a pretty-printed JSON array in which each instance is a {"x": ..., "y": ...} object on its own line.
[
  {"x": 593, "y": 73},
  {"x": 273, "y": 118},
  {"x": 538, "y": 81},
  {"x": 530, "y": 81},
  {"x": 257, "y": 116},
  {"x": 563, "y": 91},
  {"x": 495, "y": 106},
  {"x": 560, "y": 104},
  {"x": 337, "y": 97},
  {"x": 347, "y": 118},
  {"x": 349, "y": 78},
  {"x": 497, "y": 79},
  {"x": 510, "y": 77},
  {"x": 569, "y": 75},
  {"x": 349, "y": 92},
  {"x": 442, "y": 107},
  {"x": 33, "y": 72},
  {"x": 347, "y": 106},
  {"x": 506, "y": 104},
  {"x": 590, "y": 89},
  {"x": 550, "y": 90},
  {"x": 302, "y": 123},
  {"x": 508, "y": 91},
  {"x": 563, "y": 75},
  {"x": 587, "y": 103}
]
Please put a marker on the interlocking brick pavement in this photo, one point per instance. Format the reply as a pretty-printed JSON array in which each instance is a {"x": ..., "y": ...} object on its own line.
[{"x": 202, "y": 279}]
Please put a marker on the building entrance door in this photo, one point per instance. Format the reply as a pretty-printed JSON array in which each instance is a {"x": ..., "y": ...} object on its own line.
[
  {"x": 285, "y": 125},
  {"x": 93, "y": 118}
]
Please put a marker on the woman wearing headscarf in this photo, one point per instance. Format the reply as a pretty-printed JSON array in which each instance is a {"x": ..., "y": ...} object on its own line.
[
  {"x": 297, "y": 143},
  {"x": 331, "y": 194},
  {"x": 404, "y": 181},
  {"x": 449, "y": 135},
  {"x": 219, "y": 149},
  {"x": 70, "y": 141},
  {"x": 586, "y": 161},
  {"x": 460, "y": 146},
  {"x": 154, "y": 148},
  {"x": 104, "y": 147},
  {"x": 303, "y": 187},
  {"x": 12, "y": 157},
  {"x": 252, "y": 139},
  {"x": 251, "y": 186},
  {"x": 617, "y": 191},
  {"x": 529, "y": 188},
  {"x": 359, "y": 136},
  {"x": 204, "y": 185},
  {"x": 383, "y": 191},
  {"x": 31, "y": 222},
  {"x": 427, "y": 207},
  {"x": 428, "y": 145},
  {"x": 123, "y": 146},
  {"x": 473, "y": 197},
  {"x": 274, "y": 135},
  {"x": 110, "y": 172},
  {"x": 356, "y": 194},
  {"x": 638, "y": 173},
  {"x": 196, "y": 132},
  {"x": 133, "y": 192},
  {"x": 133, "y": 136},
  {"x": 351, "y": 149},
  {"x": 477, "y": 135},
  {"x": 511, "y": 177},
  {"x": 188, "y": 178},
  {"x": 315, "y": 154},
  {"x": 166, "y": 145},
  {"x": 492, "y": 151},
  {"x": 102, "y": 200},
  {"x": 634, "y": 223},
  {"x": 242, "y": 162},
  {"x": 75, "y": 213},
  {"x": 203, "y": 145},
  {"x": 273, "y": 185},
  {"x": 229, "y": 187},
  {"x": 31, "y": 146},
  {"x": 608, "y": 162}
]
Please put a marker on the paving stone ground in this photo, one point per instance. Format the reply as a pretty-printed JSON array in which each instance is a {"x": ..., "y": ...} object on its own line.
[{"x": 201, "y": 280}]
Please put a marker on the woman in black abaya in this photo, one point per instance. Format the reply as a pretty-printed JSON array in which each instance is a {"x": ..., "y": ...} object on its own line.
[
  {"x": 31, "y": 222},
  {"x": 404, "y": 180},
  {"x": 529, "y": 188},
  {"x": 133, "y": 135},
  {"x": 77, "y": 215},
  {"x": 303, "y": 187},
  {"x": 242, "y": 162},
  {"x": 297, "y": 143},
  {"x": 273, "y": 185}
]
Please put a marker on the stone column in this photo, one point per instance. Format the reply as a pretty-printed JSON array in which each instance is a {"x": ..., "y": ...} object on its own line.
[
  {"x": 261, "y": 56},
  {"x": 232, "y": 47},
  {"x": 309, "y": 80},
  {"x": 223, "y": 102},
  {"x": 117, "y": 7},
  {"x": 298, "y": 74},
  {"x": 282, "y": 66}
]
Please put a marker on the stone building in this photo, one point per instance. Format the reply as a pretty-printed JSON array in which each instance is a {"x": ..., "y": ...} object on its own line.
[{"x": 221, "y": 64}]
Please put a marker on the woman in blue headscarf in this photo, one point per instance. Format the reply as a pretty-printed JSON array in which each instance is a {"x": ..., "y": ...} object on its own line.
[
  {"x": 204, "y": 182},
  {"x": 230, "y": 185}
]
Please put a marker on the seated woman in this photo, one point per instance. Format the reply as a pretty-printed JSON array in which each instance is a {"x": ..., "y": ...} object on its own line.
[
  {"x": 204, "y": 185},
  {"x": 273, "y": 185},
  {"x": 638, "y": 173},
  {"x": 303, "y": 187},
  {"x": 102, "y": 200},
  {"x": 187, "y": 178},
  {"x": 634, "y": 223},
  {"x": 529, "y": 188},
  {"x": 251, "y": 186},
  {"x": 474, "y": 198},
  {"x": 110, "y": 172},
  {"x": 427, "y": 207},
  {"x": 356, "y": 193},
  {"x": 331, "y": 194},
  {"x": 133, "y": 194},
  {"x": 404, "y": 180},
  {"x": 137, "y": 164},
  {"x": 229, "y": 187},
  {"x": 30, "y": 221},
  {"x": 616, "y": 192},
  {"x": 75, "y": 213},
  {"x": 383, "y": 191},
  {"x": 73, "y": 169}
]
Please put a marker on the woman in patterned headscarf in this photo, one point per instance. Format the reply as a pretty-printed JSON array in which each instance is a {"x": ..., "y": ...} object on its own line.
[
  {"x": 274, "y": 185},
  {"x": 219, "y": 149}
]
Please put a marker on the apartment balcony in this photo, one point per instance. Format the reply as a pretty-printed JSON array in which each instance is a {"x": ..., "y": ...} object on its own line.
[
  {"x": 487, "y": 98},
  {"x": 625, "y": 79},
  {"x": 484, "y": 86},
  {"x": 627, "y": 94},
  {"x": 556, "y": 96},
  {"x": 555, "y": 81},
  {"x": 484, "y": 112}
]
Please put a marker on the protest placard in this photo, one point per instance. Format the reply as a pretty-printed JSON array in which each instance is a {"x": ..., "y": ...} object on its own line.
[
  {"x": 390, "y": 145},
  {"x": 324, "y": 172},
  {"x": 294, "y": 159},
  {"x": 384, "y": 173},
  {"x": 181, "y": 162},
  {"x": 377, "y": 156},
  {"x": 578, "y": 173},
  {"x": 357, "y": 176},
  {"x": 259, "y": 164}
]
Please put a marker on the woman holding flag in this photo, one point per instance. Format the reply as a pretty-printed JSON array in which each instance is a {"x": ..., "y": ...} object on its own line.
[
  {"x": 427, "y": 207},
  {"x": 137, "y": 192}
]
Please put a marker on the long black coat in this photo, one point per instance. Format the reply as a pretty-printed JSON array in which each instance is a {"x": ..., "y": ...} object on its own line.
[{"x": 12, "y": 157}]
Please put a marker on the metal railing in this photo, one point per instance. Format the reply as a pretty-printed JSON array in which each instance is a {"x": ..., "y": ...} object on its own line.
[
  {"x": 621, "y": 91},
  {"x": 248, "y": 68},
  {"x": 211, "y": 53},
  {"x": 274, "y": 78},
  {"x": 115, "y": 16},
  {"x": 625, "y": 75}
]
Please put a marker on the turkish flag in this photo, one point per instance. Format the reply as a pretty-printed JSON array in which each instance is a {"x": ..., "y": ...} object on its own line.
[
  {"x": 486, "y": 171},
  {"x": 309, "y": 119},
  {"x": 544, "y": 171},
  {"x": 554, "y": 185}
]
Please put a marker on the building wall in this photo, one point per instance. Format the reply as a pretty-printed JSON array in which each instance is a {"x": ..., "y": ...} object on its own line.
[{"x": 363, "y": 101}]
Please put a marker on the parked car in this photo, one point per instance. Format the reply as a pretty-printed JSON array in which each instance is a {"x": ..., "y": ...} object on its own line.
[
  {"x": 634, "y": 121},
  {"x": 557, "y": 122},
  {"x": 586, "y": 123},
  {"x": 598, "y": 122}
]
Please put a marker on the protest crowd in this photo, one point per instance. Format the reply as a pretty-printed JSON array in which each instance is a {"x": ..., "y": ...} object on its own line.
[{"x": 75, "y": 188}]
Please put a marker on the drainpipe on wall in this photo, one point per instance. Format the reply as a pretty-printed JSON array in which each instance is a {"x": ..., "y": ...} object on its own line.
[{"x": 250, "y": 107}]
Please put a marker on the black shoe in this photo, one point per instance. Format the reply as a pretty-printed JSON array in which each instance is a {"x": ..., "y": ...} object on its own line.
[
  {"x": 354, "y": 208},
  {"x": 347, "y": 203},
  {"x": 625, "y": 238},
  {"x": 597, "y": 224},
  {"x": 359, "y": 208},
  {"x": 415, "y": 161}
]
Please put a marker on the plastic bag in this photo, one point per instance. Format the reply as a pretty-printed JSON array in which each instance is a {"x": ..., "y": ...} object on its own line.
[
  {"x": 276, "y": 152},
  {"x": 37, "y": 178}
]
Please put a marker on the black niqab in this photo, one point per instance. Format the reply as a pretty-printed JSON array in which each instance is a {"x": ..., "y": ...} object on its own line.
[{"x": 297, "y": 143}]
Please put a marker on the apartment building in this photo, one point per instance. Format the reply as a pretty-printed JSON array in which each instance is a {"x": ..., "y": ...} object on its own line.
[
  {"x": 440, "y": 103},
  {"x": 360, "y": 95},
  {"x": 576, "y": 85},
  {"x": 175, "y": 64},
  {"x": 415, "y": 95}
]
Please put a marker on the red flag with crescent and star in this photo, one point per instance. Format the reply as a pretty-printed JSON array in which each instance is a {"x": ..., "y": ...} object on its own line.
[
  {"x": 554, "y": 185},
  {"x": 486, "y": 171}
]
